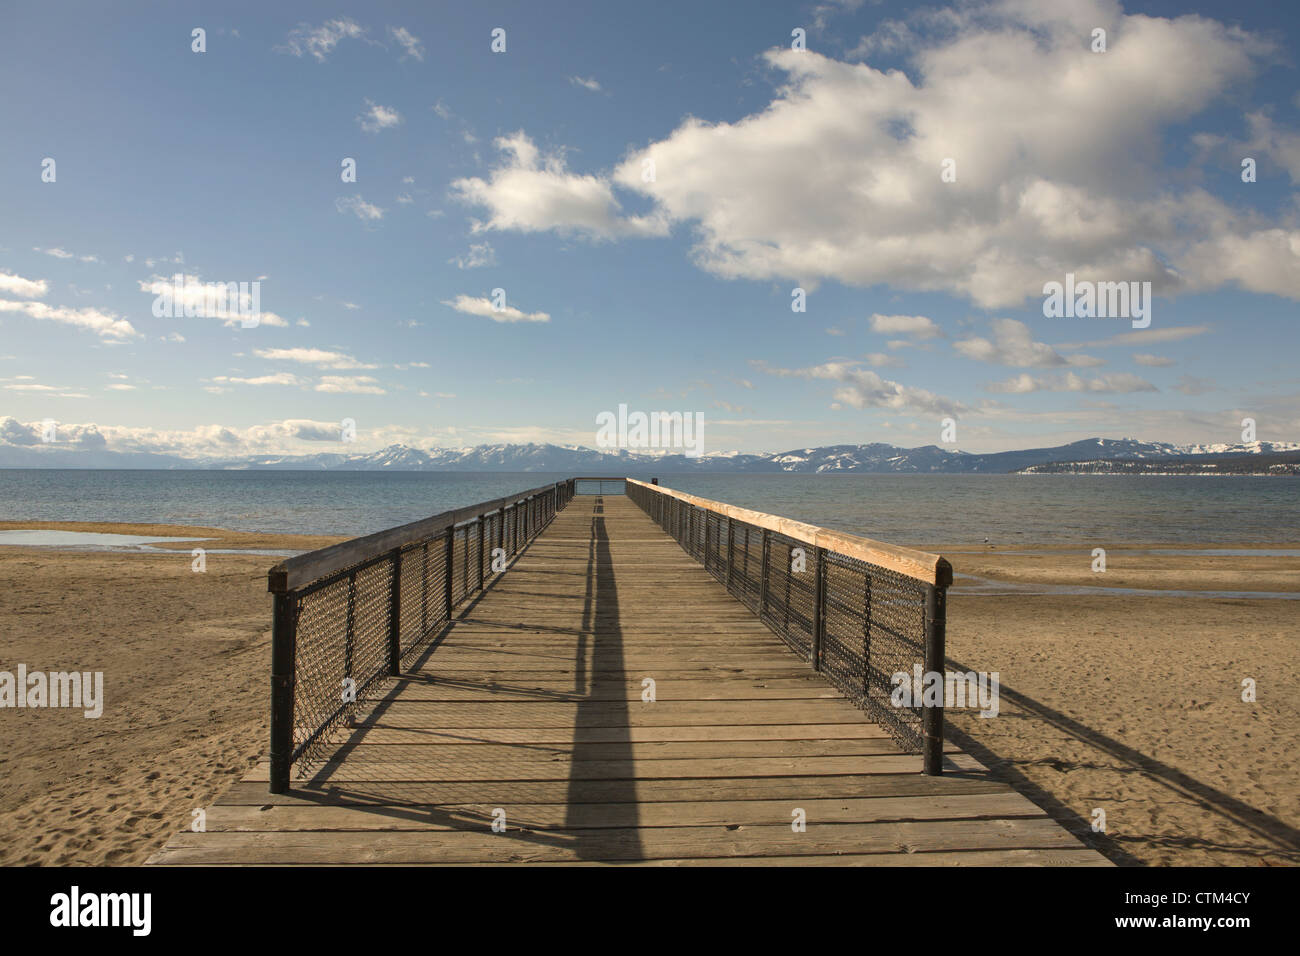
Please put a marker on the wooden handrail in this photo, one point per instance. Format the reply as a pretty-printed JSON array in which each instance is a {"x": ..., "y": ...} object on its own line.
[{"x": 921, "y": 565}]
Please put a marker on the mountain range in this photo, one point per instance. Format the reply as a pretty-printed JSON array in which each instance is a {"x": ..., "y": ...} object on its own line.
[{"x": 874, "y": 458}]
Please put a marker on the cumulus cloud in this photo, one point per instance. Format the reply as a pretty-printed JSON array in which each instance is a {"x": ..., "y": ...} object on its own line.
[
  {"x": 838, "y": 177},
  {"x": 107, "y": 325},
  {"x": 532, "y": 192},
  {"x": 365, "y": 211},
  {"x": 319, "y": 42},
  {"x": 480, "y": 254},
  {"x": 482, "y": 306},
  {"x": 1013, "y": 345},
  {"x": 1070, "y": 382},
  {"x": 916, "y": 326},
  {"x": 354, "y": 385},
  {"x": 377, "y": 117},
  {"x": 588, "y": 83},
  {"x": 863, "y": 388},
  {"x": 1152, "y": 361},
  {"x": 318, "y": 357},
  {"x": 16, "y": 285},
  {"x": 408, "y": 41},
  {"x": 279, "y": 378},
  {"x": 230, "y": 302}
]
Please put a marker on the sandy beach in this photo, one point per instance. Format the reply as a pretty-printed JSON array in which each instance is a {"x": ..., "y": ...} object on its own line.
[
  {"x": 1133, "y": 704},
  {"x": 1127, "y": 703}
]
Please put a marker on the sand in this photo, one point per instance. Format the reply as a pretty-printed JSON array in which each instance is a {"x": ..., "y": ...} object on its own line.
[
  {"x": 1128, "y": 704},
  {"x": 186, "y": 660}
]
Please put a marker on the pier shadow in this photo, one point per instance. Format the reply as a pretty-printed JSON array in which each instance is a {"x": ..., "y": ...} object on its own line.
[{"x": 617, "y": 795}]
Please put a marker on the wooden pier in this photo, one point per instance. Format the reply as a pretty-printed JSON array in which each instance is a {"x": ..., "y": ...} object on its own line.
[{"x": 605, "y": 700}]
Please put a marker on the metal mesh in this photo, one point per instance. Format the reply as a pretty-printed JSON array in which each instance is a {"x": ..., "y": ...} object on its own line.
[
  {"x": 871, "y": 621},
  {"x": 350, "y": 623}
]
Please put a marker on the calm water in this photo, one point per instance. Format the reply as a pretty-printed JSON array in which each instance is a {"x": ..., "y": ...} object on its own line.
[{"x": 924, "y": 510}]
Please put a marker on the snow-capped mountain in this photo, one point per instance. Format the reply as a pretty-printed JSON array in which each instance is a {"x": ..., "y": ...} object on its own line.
[{"x": 873, "y": 458}]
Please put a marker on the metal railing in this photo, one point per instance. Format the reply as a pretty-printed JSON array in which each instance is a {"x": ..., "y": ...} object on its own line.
[
  {"x": 349, "y": 616},
  {"x": 859, "y": 611}
]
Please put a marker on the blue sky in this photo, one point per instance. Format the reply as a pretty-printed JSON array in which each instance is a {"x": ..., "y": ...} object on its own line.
[{"x": 524, "y": 171}]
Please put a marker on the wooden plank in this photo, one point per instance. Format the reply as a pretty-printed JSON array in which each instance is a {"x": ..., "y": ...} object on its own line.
[
  {"x": 359, "y": 767},
  {"x": 518, "y": 845},
  {"x": 552, "y": 816}
]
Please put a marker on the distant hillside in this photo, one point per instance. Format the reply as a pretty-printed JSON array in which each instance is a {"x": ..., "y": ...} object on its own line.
[
  {"x": 1285, "y": 463},
  {"x": 874, "y": 458}
]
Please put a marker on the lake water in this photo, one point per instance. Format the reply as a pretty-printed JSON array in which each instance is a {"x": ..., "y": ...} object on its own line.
[{"x": 919, "y": 510}]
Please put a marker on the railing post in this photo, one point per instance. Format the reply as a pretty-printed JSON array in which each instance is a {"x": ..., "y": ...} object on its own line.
[
  {"x": 395, "y": 616},
  {"x": 449, "y": 564},
  {"x": 349, "y": 638},
  {"x": 284, "y": 638},
  {"x": 762, "y": 580},
  {"x": 482, "y": 535},
  {"x": 819, "y": 606},
  {"x": 935, "y": 663},
  {"x": 731, "y": 549}
]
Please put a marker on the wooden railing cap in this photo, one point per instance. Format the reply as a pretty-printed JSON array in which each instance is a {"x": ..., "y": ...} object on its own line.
[{"x": 930, "y": 568}]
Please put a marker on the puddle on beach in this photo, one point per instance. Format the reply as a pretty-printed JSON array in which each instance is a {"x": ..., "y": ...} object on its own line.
[
  {"x": 94, "y": 540},
  {"x": 969, "y": 584},
  {"x": 105, "y": 541}
]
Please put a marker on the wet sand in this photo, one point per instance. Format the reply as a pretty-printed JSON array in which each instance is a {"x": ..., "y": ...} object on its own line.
[{"x": 1129, "y": 704}]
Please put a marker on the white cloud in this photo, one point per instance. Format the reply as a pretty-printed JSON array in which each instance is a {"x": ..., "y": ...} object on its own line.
[
  {"x": 318, "y": 357},
  {"x": 359, "y": 207},
  {"x": 863, "y": 388},
  {"x": 377, "y": 117},
  {"x": 917, "y": 326},
  {"x": 532, "y": 193},
  {"x": 354, "y": 385},
  {"x": 1143, "y": 337},
  {"x": 587, "y": 84},
  {"x": 320, "y": 41},
  {"x": 1013, "y": 345},
  {"x": 480, "y": 254},
  {"x": 1152, "y": 361},
  {"x": 279, "y": 378},
  {"x": 107, "y": 325},
  {"x": 230, "y": 302},
  {"x": 483, "y": 306},
  {"x": 839, "y": 176},
  {"x": 16, "y": 285},
  {"x": 409, "y": 42},
  {"x": 1070, "y": 382}
]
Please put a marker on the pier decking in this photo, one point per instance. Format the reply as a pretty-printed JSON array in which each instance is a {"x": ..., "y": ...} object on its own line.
[{"x": 534, "y": 710}]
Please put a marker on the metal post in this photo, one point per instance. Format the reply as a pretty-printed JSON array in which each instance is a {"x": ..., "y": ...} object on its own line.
[
  {"x": 731, "y": 549},
  {"x": 482, "y": 536},
  {"x": 284, "y": 638},
  {"x": 447, "y": 570},
  {"x": 932, "y": 716},
  {"x": 395, "y": 616},
  {"x": 762, "y": 585},
  {"x": 819, "y": 604},
  {"x": 424, "y": 592},
  {"x": 350, "y": 637}
]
